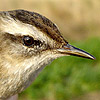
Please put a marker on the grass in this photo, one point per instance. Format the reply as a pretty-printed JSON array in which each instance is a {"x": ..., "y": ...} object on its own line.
[{"x": 68, "y": 77}]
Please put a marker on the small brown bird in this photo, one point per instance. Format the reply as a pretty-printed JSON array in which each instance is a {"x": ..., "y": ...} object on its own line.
[{"x": 28, "y": 42}]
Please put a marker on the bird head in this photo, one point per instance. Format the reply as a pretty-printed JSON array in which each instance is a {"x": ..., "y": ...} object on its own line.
[
  {"x": 28, "y": 42},
  {"x": 27, "y": 34}
]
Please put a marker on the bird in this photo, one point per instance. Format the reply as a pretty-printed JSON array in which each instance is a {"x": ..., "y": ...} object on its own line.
[{"x": 28, "y": 42}]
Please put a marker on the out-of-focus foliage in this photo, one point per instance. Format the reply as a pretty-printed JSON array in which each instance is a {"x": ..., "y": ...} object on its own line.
[{"x": 67, "y": 78}]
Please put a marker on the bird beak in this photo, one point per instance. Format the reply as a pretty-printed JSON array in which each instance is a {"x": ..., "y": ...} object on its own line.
[{"x": 71, "y": 50}]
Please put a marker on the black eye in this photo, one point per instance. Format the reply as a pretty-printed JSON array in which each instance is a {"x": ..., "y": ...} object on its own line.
[{"x": 28, "y": 41}]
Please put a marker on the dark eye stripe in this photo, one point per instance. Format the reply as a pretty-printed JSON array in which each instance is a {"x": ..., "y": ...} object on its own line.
[{"x": 30, "y": 42}]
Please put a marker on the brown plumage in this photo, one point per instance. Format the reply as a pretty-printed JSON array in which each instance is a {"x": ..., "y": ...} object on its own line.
[
  {"x": 28, "y": 42},
  {"x": 39, "y": 21}
]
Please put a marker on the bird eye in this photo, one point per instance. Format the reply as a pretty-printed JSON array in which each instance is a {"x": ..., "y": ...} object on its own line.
[{"x": 28, "y": 41}]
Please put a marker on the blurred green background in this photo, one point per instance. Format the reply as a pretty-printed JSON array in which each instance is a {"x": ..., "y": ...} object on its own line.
[{"x": 67, "y": 78}]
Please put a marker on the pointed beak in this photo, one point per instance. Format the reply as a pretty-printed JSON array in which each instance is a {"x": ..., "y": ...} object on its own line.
[{"x": 71, "y": 50}]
